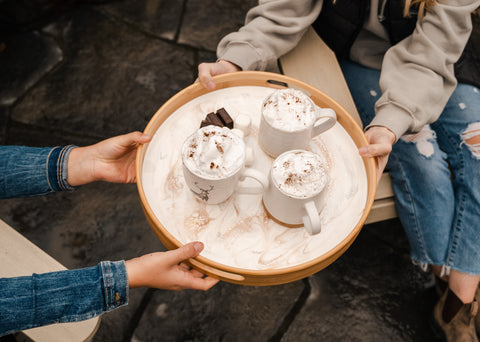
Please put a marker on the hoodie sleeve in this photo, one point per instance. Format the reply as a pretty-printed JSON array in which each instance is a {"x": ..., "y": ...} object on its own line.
[
  {"x": 417, "y": 76},
  {"x": 271, "y": 29}
]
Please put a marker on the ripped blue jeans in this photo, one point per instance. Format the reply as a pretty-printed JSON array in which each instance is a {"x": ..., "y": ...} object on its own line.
[{"x": 435, "y": 175}]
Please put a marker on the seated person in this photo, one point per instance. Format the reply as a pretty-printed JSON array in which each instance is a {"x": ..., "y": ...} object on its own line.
[{"x": 415, "y": 81}]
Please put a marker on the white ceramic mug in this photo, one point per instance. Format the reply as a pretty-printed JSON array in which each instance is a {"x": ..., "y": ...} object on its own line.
[
  {"x": 289, "y": 120},
  {"x": 220, "y": 164},
  {"x": 291, "y": 200}
]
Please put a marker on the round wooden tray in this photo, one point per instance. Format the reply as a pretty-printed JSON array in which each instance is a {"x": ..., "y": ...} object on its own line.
[{"x": 249, "y": 276}]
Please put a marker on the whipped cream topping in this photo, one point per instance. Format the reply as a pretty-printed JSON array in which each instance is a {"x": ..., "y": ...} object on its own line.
[
  {"x": 213, "y": 152},
  {"x": 299, "y": 173},
  {"x": 289, "y": 110}
]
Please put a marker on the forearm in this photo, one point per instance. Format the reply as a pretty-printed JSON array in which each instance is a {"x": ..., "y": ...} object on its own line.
[
  {"x": 271, "y": 30},
  {"x": 31, "y": 171},
  {"x": 65, "y": 296}
]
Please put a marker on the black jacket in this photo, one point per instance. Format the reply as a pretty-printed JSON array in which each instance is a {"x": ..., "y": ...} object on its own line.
[{"x": 339, "y": 25}]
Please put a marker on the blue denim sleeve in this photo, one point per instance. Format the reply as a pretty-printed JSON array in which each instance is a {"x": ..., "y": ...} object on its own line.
[
  {"x": 29, "y": 171},
  {"x": 64, "y": 296}
]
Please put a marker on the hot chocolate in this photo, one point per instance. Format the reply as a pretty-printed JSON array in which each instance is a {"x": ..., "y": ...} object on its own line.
[
  {"x": 289, "y": 120},
  {"x": 213, "y": 152},
  {"x": 299, "y": 174},
  {"x": 289, "y": 110}
]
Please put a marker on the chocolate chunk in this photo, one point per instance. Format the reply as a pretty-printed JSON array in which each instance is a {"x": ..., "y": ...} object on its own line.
[
  {"x": 225, "y": 118},
  {"x": 214, "y": 119},
  {"x": 205, "y": 123}
]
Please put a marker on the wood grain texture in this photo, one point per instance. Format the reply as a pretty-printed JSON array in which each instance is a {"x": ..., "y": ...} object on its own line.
[{"x": 20, "y": 257}]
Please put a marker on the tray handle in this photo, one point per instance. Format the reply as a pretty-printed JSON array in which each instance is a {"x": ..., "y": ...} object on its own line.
[
  {"x": 287, "y": 85},
  {"x": 217, "y": 272}
]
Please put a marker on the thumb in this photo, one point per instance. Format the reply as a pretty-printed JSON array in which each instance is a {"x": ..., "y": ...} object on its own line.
[
  {"x": 135, "y": 138},
  {"x": 190, "y": 250},
  {"x": 143, "y": 138}
]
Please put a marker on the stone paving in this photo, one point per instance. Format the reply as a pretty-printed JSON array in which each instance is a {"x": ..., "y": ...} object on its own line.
[{"x": 81, "y": 72}]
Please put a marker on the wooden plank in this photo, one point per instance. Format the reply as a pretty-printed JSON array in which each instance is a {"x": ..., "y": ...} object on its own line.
[
  {"x": 20, "y": 257},
  {"x": 383, "y": 209}
]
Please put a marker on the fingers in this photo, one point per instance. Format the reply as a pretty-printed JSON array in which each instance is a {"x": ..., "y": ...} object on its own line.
[
  {"x": 196, "y": 274},
  {"x": 184, "y": 266},
  {"x": 195, "y": 280},
  {"x": 375, "y": 150},
  {"x": 380, "y": 141},
  {"x": 205, "y": 73},
  {"x": 201, "y": 283},
  {"x": 185, "y": 252},
  {"x": 190, "y": 270}
]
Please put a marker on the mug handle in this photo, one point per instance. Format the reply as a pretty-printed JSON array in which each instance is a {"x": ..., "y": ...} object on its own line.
[
  {"x": 311, "y": 221},
  {"x": 258, "y": 176},
  {"x": 325, "y": 120}
]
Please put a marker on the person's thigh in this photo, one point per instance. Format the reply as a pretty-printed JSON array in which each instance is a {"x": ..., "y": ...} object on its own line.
[
  {"x": 423, "y": 194},
  {"x": 419, "y": 171},
  {"x": 458, "y": 134}
]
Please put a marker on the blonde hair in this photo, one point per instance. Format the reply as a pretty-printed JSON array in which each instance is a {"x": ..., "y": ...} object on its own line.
[{"x": 423, "y": 6}]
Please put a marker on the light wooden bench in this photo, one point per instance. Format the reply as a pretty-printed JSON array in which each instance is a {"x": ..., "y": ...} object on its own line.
[
  {"x": 313, "y": 62},
  {"x": 20, "y": 257}
]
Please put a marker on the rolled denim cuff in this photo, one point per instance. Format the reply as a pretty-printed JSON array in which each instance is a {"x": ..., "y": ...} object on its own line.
[
  {"x": 115, "y": 284},
  {"x": 57, "y": 168}
]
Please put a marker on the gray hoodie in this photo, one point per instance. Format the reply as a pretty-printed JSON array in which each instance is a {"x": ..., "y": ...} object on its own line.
[{"x": 417, "y": 75}]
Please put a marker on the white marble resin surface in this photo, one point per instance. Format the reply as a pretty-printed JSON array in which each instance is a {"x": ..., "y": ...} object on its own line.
[{"x": 238, "y": 232}]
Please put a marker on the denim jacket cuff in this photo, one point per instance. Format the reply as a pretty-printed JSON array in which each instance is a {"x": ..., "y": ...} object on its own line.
[
  {"x": 115, "y": 284},
  {"x": 57, "y": 168}
]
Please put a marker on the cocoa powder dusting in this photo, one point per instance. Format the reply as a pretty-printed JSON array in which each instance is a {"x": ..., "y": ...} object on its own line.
[{"x": 289, "y": 179}]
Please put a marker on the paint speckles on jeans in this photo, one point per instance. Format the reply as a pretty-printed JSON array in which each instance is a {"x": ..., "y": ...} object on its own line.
[
  {"x": 373, "y": 93},
  {"x": 423, "y": 140}
]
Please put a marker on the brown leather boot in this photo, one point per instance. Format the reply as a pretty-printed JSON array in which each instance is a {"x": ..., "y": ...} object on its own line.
[
  {"x": 440, "y": 286},
  {"x": 462, "y": 326}
]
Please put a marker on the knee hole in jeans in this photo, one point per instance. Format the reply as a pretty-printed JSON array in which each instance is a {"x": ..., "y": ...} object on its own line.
[
  {"x": 422, "y": 140},
  {"x": 471, "y": 138}
]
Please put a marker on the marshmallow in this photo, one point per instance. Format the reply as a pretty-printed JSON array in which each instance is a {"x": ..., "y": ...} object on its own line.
[{"x": 243, "y": 123}]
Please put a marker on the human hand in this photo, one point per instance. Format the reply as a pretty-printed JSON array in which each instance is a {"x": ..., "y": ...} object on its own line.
[
  {"x": 111, "y": 160},
  {"x": 380, "y": 141},
  {"x": 166, "y": 270},
  {"x": 206, "y": 71}
]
